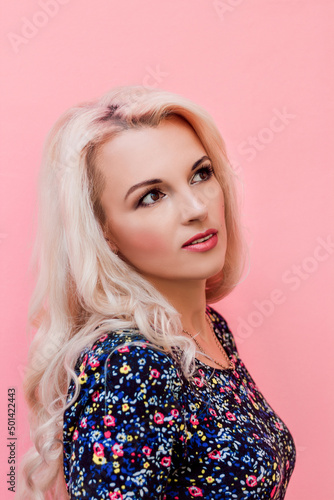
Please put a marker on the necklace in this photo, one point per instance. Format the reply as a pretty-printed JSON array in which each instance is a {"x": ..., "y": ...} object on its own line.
[{"x": 230, "y": 363}]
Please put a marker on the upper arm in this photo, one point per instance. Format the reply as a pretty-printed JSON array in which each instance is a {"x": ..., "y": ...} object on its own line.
[{"x": 130, "y": 432}]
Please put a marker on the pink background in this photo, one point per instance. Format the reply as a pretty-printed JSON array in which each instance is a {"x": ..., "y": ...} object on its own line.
[{"x": 263, "y": 69}]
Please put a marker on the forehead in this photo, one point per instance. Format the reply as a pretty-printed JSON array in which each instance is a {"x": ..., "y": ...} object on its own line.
[{"x": 137, "y": 154}]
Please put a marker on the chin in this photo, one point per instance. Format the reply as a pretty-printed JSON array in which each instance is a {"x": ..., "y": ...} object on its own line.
[
  {"x": 209, "y": 272},
  {"x": 216, "y": 269}
]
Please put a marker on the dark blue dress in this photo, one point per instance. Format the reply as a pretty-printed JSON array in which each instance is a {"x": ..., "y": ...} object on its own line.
[{"x": 139, "y": 430}]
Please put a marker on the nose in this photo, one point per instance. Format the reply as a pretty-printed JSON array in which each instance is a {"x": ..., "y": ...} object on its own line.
[{"x": 193, "y": 208}]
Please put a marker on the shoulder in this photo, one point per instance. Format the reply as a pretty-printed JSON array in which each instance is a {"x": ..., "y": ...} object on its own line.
[
  {"x": 220, "y": 324},
  {"x": 126, "y": 358},
  {"x": 120, "y": 346}
]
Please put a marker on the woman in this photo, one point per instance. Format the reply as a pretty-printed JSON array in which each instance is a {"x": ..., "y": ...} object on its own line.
[{"x": 135, "y": 384}]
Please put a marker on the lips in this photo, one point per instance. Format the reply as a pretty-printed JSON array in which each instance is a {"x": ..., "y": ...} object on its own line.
[{"x": 199, "y": 236}]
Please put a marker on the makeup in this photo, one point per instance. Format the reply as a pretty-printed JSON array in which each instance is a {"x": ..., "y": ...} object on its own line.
[{"x": 207, "y": 241}]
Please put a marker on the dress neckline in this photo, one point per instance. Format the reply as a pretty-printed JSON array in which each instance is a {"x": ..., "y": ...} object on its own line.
[
  {"x": 227, "y": 369},
  {"x": 219, "y": 336}
]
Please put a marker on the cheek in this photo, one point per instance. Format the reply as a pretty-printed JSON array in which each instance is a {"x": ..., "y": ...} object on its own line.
[
  {"x": 148, "y": 242},
  {"x": 214, "y": 195},
  {"x": 217, "y": 204}
]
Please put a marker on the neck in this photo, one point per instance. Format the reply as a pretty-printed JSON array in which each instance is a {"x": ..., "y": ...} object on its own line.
[{"x": 189, "y": 299}]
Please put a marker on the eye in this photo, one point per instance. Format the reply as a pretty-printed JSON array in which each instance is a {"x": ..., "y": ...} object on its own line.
[
  {"x": 205, "y": 173},
  {"x": 154, "y": 194}
]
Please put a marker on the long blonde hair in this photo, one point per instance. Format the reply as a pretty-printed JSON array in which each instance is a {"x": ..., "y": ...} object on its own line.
[{"x": 82, "y": 288}]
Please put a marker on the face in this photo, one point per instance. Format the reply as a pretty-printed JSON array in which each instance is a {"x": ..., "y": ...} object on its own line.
[{"x": 161, "y": 192}]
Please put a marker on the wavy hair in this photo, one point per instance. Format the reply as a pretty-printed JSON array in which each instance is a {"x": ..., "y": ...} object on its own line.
[{"x": 83, "y": 289}]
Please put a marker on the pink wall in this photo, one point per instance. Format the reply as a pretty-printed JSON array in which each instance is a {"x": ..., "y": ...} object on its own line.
[{"x": 262, "y": 68}]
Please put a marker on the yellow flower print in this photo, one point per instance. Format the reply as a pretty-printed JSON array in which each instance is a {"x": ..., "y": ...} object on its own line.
[
  {"x": 99, "y": 460},
  {"x": 210, "y": 479},
  {"x": 125, "y": 407},
  {"x": 125, "y": 369},
  {"x": 83, "y": 378},
  {"x": 146, "y": 465}
]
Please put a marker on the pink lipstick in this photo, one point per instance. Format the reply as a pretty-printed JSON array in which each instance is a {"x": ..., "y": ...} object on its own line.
[{"x": 202, "y": 242}]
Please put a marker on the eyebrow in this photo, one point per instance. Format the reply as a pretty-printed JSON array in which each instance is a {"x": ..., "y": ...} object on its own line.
[{"x": 157, "y": 181}]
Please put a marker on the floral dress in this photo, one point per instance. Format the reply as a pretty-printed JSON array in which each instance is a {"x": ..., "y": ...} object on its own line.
[{"x": 140, "y": 430}]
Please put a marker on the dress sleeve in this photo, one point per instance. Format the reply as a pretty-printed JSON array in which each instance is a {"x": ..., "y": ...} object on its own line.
[{"x": 129, "y": 435}]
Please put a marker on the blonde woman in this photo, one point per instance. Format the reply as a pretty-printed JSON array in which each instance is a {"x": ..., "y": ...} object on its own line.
[{"x": 135, "y": 385}]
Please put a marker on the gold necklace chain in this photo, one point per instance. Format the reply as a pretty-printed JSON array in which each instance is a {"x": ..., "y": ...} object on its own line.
[{"x": 230, "y": 363}]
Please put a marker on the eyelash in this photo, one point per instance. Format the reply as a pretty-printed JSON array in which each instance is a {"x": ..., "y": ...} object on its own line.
[{"x": 206, "y": 168}]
